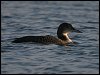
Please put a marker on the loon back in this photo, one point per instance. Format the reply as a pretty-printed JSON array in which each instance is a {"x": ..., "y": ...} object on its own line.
[{"x": 40, "y": 39}]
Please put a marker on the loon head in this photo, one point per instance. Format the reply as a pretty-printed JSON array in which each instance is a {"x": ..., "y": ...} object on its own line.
[{"x": 64, "y": 29}]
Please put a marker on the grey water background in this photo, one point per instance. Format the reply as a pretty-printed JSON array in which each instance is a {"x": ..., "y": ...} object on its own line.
[{"x": 22, "y": 18}]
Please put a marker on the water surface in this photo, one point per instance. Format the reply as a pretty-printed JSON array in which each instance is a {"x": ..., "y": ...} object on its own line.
[{"x": 21, "y": 18}]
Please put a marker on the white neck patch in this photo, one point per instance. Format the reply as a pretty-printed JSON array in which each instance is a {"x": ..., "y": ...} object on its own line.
[{"x": 66, "y": 34}]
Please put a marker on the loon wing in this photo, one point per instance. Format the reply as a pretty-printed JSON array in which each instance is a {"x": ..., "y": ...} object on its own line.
[{"x": 39, "y": 39}]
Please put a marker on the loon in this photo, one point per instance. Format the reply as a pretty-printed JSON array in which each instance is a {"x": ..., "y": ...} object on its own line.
[{"x": 62, "y": 33}]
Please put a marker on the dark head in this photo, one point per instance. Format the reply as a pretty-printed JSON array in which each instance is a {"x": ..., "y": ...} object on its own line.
[{"x": 65, "y": 28}]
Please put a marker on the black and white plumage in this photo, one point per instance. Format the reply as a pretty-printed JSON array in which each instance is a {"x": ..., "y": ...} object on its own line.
[{"x": 63, "y": 30}]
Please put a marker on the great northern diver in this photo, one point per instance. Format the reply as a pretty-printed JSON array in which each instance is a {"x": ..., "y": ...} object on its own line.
[{"x": 63, "y": 30}]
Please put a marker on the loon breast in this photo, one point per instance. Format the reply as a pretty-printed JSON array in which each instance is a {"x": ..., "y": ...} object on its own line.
[{"x": 48, "y": 39}]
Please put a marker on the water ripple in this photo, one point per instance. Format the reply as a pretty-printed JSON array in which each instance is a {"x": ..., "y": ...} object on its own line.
[{"x": 43, "y": 18}]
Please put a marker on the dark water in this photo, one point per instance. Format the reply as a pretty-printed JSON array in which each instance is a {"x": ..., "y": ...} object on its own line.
[{"x": 42, "y": 18}]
